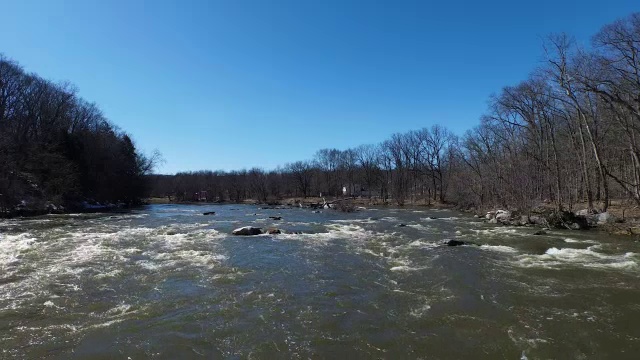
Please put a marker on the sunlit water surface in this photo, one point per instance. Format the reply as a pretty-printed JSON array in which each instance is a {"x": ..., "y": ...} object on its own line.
[{"x": 168, "y": 282}]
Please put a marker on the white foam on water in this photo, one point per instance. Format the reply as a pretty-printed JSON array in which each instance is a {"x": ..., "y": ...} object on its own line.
[
  {"x": 450, "y": 218},
  {"x": 99, "y": 251},
  {"x": 404, "y": 265},
  {"x": 188, "y": 257},
  {"x": 118, "y": 310},
  {"x": 499, "y": 248},
  {"x": 356, "y": 236},
  {"x": 108, "y": 274},
  {"x": 420, "y": 227},
  {"x": 570, "y": 240},
  {"x": 301, "y": 223},
  {"x": 422, "y": 244},
  {"x": 356, "y": 221},
  {"x": 420, "y": 311},
  {"x": 12, "y": 247},
  {"x": 371, "y": 252},
  {"x": 404, "y": 268},
  {"x": 349, "y": 230},
  {"x": 50, "y": 304},
  {"x": 589, "y": 257},
  {"x": 500, "y": 230}
]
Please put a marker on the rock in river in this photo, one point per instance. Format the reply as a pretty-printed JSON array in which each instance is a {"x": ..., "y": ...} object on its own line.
[
  {"x": 452, "y": 242},
  {"x": 247, "y": 231},
  {"x": 273, "y": 231}
]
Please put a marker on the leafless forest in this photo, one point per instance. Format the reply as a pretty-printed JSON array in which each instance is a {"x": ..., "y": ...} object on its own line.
[
  {"x": 568, "y": 133},
  {"x": 58, "y": 151}
]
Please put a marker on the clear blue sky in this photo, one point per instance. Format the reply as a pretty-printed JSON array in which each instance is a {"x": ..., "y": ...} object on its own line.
[{"x": 236, "y": 83}]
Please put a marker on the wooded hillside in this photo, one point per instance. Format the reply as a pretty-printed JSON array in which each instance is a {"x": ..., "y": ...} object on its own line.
[{"x": 57, "y": 149}]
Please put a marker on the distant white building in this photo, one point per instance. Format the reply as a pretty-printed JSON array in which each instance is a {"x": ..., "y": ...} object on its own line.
[{"x": 353, "y": 190}]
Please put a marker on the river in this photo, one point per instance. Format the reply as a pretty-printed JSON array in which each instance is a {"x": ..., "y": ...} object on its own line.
[{"x": 167, "y": 282}]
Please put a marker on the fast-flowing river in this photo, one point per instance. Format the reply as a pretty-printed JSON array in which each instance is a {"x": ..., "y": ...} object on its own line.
[{"x": 167, "y": 282}]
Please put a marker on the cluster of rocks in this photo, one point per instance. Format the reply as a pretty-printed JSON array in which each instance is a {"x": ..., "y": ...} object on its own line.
[
  {"x": 251, "y": 231},
  {"x": 579, "y": 220},
  {"x": 506, "y": 217},
  {"x": 34, "y": 206}
]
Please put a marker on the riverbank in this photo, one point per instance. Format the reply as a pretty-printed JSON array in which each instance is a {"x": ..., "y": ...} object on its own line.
[
  {"x": 620, "y": 219},
  {"x": 75, "y": 208},
  {"x": 309, "y": 201}
]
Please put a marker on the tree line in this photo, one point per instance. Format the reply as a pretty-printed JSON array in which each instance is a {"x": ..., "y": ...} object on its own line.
[
  {"x": 568, "y": 134},
  {"x": 392, "y": 171},
  {"x": 57, "y": 149}
]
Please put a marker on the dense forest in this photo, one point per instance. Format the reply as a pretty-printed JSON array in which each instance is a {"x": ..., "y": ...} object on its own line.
[
  {"x": 58, "y": 151},
  {"x": 569, "y": 133}
]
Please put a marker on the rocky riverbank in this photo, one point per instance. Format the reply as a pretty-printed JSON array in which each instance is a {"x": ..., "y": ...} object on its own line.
[{"x": 579, "y": 220}]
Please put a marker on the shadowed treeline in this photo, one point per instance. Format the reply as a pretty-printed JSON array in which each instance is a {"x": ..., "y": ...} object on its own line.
[
  {"x": 58, "y": 149},
  {"x": 569, "y": 133}
]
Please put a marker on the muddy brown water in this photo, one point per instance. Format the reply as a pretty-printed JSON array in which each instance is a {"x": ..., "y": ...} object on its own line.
[{"x": 166, "y": 282}]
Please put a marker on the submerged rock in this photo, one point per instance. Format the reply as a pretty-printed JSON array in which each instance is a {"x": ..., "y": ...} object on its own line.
[
  {"x": 453, "y": 242},
  {"x": 402, "y": 225},
  {"x": 247, "y": 231},
  {"x": 540, "y": 232},
  {"x": 273, "y": 231},
  {"x": 209, "y": 213},
  {"x": 275, "y": 217}
]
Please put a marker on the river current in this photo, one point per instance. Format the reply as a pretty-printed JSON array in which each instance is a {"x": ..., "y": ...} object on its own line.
[{"x": 167, "y": 282}]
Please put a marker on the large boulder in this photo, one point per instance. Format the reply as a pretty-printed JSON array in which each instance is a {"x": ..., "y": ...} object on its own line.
[
  {"x": 524, "y": 220},
  {"x": 453, "y": 242},
  {"x": 567, "y": 219},
  {"x": 247, "y": 231},
  {"x": 503, "y": 216},
  {"x": 532, "y": 220},
  {"x": 605, "y": 218},
  {"x": 586, "y": 212},
  {"x": 537, "y": 220}
]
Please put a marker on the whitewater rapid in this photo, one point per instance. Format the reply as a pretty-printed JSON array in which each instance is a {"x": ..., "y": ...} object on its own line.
[{"x": 362, "y": 283}]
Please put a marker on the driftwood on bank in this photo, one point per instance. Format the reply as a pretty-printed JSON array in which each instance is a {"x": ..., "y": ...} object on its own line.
[{"x": 330, "y": 204}]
